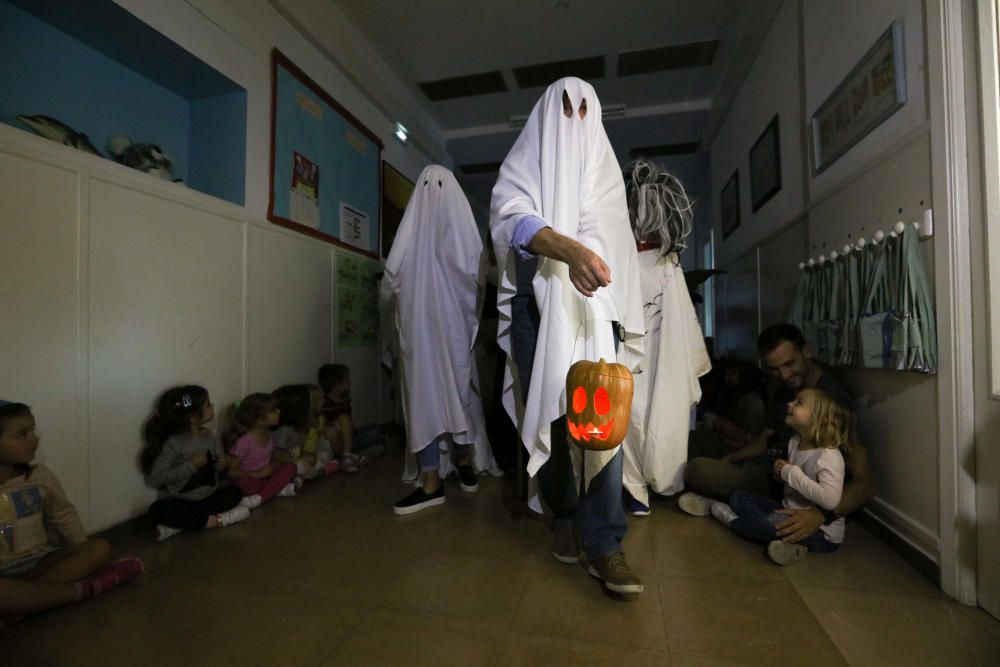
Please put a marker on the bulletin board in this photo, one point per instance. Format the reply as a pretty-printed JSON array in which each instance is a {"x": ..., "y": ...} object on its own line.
[
  {"x": 325, "y": 165},
  {"x": 357, "y": 299}
]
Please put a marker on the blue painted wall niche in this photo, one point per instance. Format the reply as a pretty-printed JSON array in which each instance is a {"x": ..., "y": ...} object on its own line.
[{"x": 102, "y": 71}]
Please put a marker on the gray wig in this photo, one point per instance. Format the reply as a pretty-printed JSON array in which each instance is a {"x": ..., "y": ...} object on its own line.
[{"x": 658, "y": 207}]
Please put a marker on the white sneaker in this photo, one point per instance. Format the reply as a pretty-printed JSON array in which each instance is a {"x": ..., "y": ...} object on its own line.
[
  {"x": 235, "y": 515},
  {"x": 783, "y": 553},
  {"x": 250, "y": 502},
  {"x": 164, "y": 533},
  {"x": 724, "y": 513},
  {"x": 694, "y": 504},
  {"x": 288, "y": 491}
]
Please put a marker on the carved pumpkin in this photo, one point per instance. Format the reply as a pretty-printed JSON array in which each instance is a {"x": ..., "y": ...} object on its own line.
[{"x": 599, "y": 400}]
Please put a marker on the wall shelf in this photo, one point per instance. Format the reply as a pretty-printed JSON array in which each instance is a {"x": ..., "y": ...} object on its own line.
[{"x": 102, "y": 71}]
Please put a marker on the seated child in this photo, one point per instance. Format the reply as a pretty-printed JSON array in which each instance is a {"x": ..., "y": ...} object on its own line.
[
  {"x": 298, "y": 438},
  {"x": 252, "y": 465},
  {"x": 183, "y": 460},
  {"x": 335, "y": 382},
  {"x": 813, "y": 475},
  {"x": 38, "y": 572}
]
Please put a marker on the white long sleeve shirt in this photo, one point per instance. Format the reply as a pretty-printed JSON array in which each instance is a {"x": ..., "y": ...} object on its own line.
[{"x": 815, "y": 477}]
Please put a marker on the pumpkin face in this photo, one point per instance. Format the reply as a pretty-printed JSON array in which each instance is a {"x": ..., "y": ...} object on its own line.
[{"x": 599, "y": 397}]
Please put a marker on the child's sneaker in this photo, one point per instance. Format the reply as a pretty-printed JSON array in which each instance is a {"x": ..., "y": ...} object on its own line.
[
  {"x": 694, "y": 504},
  {"x": 235, "y": 515},
  {"x": 288, "y": 491},
  {"x": 250, "y": 502},
  {"x": 783, "y": 553},
  {"x": 164, "y": 533},
  {"x": 724, "y": 513},
  {"x": 330, "y": 468},
  {"x": 312, "y": 472},
  {"x": 352, "y": 462},
  {"x": 298, "y": 481}
]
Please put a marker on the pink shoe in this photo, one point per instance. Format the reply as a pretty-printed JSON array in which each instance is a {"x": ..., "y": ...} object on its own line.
[
  {"x": 330, "y": 468},
  {"x": 122, "y": 571}
]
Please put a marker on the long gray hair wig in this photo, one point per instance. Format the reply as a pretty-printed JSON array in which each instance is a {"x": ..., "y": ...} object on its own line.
[{"x": 658, "y": 207}]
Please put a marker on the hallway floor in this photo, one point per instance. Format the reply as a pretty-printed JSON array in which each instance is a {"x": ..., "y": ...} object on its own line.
[{"x": 332, "y": 577}]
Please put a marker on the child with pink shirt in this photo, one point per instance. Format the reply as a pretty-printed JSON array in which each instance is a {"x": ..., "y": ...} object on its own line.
[{"x": 252, "y": 465}]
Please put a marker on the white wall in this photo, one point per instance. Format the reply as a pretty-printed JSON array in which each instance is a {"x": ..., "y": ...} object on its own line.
[
  {"x": 116, "y": 285},
  {"x": 802, "y": 60}
]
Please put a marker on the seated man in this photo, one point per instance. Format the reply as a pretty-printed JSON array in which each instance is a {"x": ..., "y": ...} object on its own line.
[{"x": 786, "y": 355}]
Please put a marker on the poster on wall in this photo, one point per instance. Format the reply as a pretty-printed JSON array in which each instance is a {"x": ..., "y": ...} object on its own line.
[
  {"x": 323, "y": 161},
  {"x": 357, "y": 299},
  {"x": 874, "y": 90},
  {"x": 396, "y": 192}
]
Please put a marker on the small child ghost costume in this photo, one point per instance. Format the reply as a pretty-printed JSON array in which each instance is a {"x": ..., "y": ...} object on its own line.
[{"x": 433, "y": 275}]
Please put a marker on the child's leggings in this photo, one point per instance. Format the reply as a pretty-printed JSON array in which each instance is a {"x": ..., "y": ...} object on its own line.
[
  {"x": 267, "y": 487},
  {"x": 193, "y": 514},
  {"x": 758, "y": 518}
]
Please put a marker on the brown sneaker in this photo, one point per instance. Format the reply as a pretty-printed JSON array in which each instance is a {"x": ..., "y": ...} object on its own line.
[
  {"x": 616, "y": 574},
  {"x": 565, "y": 547}
]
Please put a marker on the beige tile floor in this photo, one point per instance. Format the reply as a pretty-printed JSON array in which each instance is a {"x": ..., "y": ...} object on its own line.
[{"x": 332, "y": 577}]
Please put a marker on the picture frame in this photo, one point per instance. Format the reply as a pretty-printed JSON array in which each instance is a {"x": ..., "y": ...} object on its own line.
[
  {"x": 729, "y": 204},
  {"x": 873, "y": 90},
  {"x": 765, "y": 165}
]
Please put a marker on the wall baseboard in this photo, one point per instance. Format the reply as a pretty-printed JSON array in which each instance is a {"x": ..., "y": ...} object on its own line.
[{"x": 910, "y": 540}]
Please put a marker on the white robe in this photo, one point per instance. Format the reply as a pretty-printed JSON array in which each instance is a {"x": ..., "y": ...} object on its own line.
[
  {"x": 564, "y": 171},
  {"x": 434, "y": 271},
  {"x": 674, "y": 357}
]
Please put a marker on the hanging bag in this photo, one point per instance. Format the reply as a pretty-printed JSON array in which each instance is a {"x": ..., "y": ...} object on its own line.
[{"x": 875, "y": 323}]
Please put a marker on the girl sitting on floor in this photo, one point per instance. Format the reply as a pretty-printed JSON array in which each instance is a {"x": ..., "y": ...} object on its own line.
[
  {"x": 252, "y": 465},
  {"x": 298, "y": 438}
]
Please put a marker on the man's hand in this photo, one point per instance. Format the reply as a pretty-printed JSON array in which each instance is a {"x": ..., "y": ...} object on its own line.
[
  {"x": 800, "y": 524},
  {"x": 587, "y": 271}
]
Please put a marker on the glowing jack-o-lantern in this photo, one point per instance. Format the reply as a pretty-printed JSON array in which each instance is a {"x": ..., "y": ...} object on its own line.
[{"x": 599, "y": 397}]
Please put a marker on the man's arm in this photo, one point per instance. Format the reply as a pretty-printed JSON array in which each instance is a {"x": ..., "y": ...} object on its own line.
[{"x": 587, "y": 271}]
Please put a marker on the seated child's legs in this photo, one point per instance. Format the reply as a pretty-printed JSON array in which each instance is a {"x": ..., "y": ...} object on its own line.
[
  {"x": 249, "y": 485},
  {"x": 72, "y": 563},
  {"x": 281, "y": 476},
  {"x": 757, "y": 517},
  {"x": 817, "y": 542}
]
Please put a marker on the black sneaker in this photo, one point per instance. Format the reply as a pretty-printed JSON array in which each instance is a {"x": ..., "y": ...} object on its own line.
[
  {"x": 419, "y": 500},
  {"x": 468, "y": 478}
]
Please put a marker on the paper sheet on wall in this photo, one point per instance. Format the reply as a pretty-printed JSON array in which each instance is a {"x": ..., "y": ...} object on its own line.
[
  {"x": 357, "y": 300},
  {"x": 354, "y": 227}
]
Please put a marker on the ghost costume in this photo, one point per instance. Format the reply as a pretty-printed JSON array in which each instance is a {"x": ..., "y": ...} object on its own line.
[
  {"x": 431, "y": 286},
  {"x": 563, "y": 171},
  {"x": 674, "y": 357}
]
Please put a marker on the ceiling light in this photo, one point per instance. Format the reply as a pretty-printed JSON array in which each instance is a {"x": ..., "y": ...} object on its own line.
[{"x": 401, "y": 133}]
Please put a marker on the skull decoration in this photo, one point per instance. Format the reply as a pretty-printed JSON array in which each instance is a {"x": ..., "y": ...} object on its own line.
[{"x": 600, "y": 400}]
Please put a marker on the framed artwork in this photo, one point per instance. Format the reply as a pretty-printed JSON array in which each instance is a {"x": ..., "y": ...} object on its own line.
[
  {"x": 874, "y": 90},
  {"x": 729, "y": 204},
  {"x": 765, "y": 166},
  {"x": 396, "y": 191},
  {"x": 325, "y": 165}
]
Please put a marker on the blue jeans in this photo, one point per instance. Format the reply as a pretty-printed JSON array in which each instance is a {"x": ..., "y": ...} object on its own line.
[
  {"x": 429, "y": 457},
  {"x": 758, "y": 519},
  {"x": 597, "y": 512}
]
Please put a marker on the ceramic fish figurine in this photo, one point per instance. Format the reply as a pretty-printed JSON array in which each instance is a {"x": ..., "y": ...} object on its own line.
[
  {"x": 50, "y": 128},
  {"x": 149, "y": 158}
]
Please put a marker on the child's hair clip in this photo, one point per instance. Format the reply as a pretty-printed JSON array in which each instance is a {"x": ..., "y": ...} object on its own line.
[{"x": 186, "y": 400}]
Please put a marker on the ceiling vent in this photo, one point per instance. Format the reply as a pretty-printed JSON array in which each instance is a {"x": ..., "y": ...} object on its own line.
[
  {"x": 679, "y": 56},
  {"x": 611, "y": 111},
  {"x": 533, "y": 76},
  {"x": 480, "y": 168},
  {"x": 663, "y": 150},
  {"x": 464, "y": 86}
]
